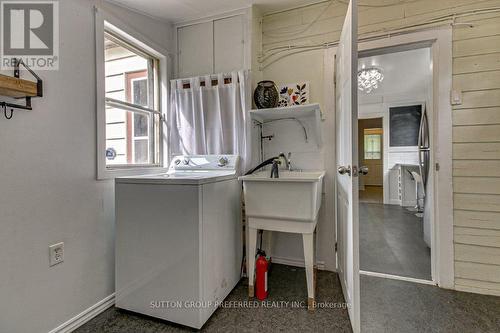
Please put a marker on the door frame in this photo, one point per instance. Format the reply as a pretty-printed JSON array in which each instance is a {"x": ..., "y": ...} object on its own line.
[{"x": 440, "y": 42}]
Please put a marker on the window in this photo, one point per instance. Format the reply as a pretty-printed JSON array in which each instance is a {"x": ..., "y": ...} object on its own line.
[
  {"x": 373, "y": 143},
  {"x": 131, "y": 113}
]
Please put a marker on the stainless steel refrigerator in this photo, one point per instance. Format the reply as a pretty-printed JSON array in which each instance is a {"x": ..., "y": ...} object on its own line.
[
  {"x": 424, "y": 150},
  {"x": 424, "y": 158}
]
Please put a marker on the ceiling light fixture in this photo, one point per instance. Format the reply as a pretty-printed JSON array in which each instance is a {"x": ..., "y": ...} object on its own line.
[{"x": 369, "y": 79}]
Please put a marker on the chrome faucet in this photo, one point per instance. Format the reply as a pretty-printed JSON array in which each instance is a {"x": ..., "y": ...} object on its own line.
[
  {"x": 287, "y": 159},
  {"x": 275, "y": 168}
]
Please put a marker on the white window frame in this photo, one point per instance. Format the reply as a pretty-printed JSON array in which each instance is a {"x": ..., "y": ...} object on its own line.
[{"x": 106, "y": 22}]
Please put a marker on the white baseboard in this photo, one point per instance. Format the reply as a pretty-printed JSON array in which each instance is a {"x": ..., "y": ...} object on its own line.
[
  {"x": 86, "y": 315},
  {"x": 397, "y": 277},
  {"x": 295, "y": 262}
]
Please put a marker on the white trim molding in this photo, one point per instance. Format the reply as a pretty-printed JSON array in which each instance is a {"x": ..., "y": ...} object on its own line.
[
  {"x": 86, "y": 315},
  {"x": 397, "y": 277}
]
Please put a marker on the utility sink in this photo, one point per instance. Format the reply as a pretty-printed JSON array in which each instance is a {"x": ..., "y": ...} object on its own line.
[
  {"x": 294, "y": 196},
  {"x": 289, "y": 204}
]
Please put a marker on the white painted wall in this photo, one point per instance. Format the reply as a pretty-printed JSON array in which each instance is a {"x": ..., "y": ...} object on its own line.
[{"x": 49, "y": 190}]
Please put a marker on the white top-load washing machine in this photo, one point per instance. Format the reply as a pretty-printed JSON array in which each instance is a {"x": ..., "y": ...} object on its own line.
[{"x": 179, "y": 239}]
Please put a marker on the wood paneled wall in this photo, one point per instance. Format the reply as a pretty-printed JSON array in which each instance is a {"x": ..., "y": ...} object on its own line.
[
  {"x": 476, "y": 131},
  {"x": 476, "y": 155}
]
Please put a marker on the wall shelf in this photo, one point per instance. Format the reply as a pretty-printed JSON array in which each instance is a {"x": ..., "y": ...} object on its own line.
[
  {"x": 291, "y": 112},
  {"x": 294, "y": 111},
  {"x": 15, "y": 87}
]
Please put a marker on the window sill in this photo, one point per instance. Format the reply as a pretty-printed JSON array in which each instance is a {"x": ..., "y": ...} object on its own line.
[{"x": 123, "y": 172}]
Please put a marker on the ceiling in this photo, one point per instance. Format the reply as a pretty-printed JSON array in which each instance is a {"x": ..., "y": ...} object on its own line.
[
  {"x": 407, "y": 72},
  {"x": 183, "y": 10}
]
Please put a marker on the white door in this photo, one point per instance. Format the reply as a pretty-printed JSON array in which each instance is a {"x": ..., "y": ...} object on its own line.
[{"x": 347, "y": 164}]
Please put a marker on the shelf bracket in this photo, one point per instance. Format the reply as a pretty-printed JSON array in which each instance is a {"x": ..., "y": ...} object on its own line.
[{"x": 27, "y": 105}]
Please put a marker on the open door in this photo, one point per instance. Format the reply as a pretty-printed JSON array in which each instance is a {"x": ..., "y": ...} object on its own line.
[{"x": 346, "y": 63}]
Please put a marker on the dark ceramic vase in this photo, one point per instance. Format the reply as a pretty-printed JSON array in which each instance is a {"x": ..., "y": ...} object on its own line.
[{"x": 266, "y": 95}]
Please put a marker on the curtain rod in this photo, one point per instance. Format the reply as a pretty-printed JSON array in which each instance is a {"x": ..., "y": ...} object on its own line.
[{"x": 211, "y": 76}]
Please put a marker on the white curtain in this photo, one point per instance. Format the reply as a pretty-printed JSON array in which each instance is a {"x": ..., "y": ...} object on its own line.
[{"x": 211, "y": 119}]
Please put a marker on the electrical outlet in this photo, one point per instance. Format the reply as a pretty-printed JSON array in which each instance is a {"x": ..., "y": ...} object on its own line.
[{"x": 56, "y": 254}]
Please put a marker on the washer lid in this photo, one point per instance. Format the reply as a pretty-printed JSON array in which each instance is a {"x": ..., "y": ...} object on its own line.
[
  {"x": 179, "y": 177},
  {"x": 191, "y": 170}
]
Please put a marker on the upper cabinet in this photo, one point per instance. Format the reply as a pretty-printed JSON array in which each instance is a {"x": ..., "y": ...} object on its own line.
[
  {"x": 216, "y": 46},
  {"x": 195, "y": 49},
  {"x": 229, "y": 44}
]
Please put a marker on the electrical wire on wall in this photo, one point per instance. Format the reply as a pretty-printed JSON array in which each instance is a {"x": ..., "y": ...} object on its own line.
[
  {"x": 325, "y": 10},
  {"x": 274, "y": 54},
  {"x": 302, "y": 29}
]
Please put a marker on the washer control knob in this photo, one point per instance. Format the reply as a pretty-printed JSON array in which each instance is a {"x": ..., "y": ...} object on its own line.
[
  {"x": 223, "y": 161},
  {"x": 186, "y": 161}
]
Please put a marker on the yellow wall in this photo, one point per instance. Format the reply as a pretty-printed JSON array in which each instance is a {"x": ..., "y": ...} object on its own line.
[{"x": 476, "y": 131}]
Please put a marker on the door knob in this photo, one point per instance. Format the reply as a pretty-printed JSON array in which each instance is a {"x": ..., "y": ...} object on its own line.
[
  {"x": 363, "y": 170},
  {"x": 344, "y": 170}
]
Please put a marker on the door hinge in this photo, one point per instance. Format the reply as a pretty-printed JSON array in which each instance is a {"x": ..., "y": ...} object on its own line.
[
  {"x": 336, "y": 247},
  {"x": 438, "y": 167}
]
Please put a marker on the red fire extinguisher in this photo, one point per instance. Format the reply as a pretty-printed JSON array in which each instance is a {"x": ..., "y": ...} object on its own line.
[{"x": 261, "y": 268}]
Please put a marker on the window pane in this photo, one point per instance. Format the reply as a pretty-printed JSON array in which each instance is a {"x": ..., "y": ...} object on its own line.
[
  {"x": 128, "y": 137},
  {"x": 141, "y": 124},
  {"x": 141, "y": 151},
  {"x": 140, "y": 92},
  {"x": 372, "y": 145},
  {"x": 126, "y": 73}
]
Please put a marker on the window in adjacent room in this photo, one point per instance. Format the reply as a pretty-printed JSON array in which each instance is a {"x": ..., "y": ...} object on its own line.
[
  {"x": 373, "y": 143},
  {"x": 132, "y": 115}
]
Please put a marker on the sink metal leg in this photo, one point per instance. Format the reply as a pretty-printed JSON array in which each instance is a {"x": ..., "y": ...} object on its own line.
[
  {"x": 308, "y": 241},
  {"x": 252, "y": 248}
]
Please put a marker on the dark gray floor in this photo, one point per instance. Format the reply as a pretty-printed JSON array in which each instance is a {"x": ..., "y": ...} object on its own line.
[
  {"x": 399, "y": 306},
  {"x": 285, "y": 284},
  {"x": 386, "y": 306},
  {"x": 391, "y": 241}
]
